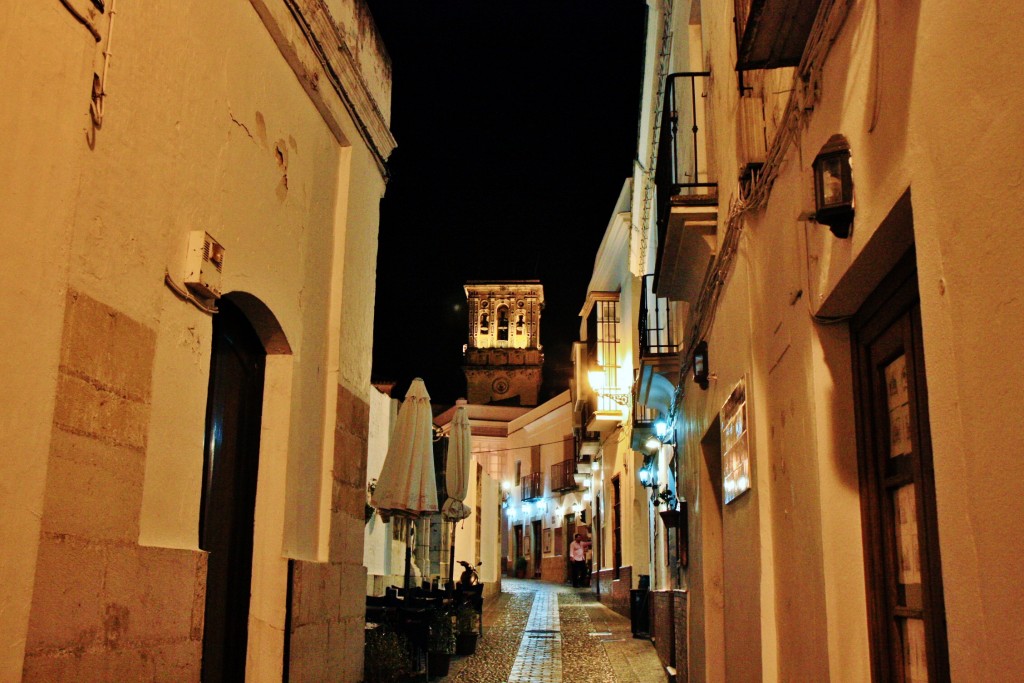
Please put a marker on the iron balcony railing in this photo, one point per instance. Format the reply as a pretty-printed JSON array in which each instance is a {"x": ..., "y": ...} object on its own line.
[
  {"x": 657, "y": 334},
  {"x": 680, "y": 168},
  {"x": 561, "y": 475},
  {"x": 644, "y": 417},
  {"x": 531, "y": 486}
]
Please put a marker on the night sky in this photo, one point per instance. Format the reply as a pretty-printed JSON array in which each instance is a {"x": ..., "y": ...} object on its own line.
[{"x": 516, "y": 125}]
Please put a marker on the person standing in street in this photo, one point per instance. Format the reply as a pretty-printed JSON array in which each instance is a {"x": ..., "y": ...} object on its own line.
[{"x": 578, "y": 558}]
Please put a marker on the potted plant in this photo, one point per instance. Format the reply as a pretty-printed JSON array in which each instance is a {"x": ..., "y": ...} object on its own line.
[
  {"x": 386, "y": 656},
  {"x": 520, "y": 567},
  {"x": 442, "y": 641},
  {"x": 466, "y": 630}
]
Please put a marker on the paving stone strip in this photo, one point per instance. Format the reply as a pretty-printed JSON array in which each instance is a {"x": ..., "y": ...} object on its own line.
[
  {"x": 546, "y": 633},
  {"x": 539, "y": 659},
  {"x": 497, "y": 650},
  {"x": 583, "y": 656}
]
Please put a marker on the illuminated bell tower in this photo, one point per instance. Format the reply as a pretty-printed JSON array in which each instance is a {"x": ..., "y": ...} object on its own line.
[{"x": 503, "y": 358}]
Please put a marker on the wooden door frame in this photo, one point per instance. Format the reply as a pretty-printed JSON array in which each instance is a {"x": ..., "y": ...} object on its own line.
[
  {"x": 896, "y": 302},
  {"x": 232, "y": 327}
]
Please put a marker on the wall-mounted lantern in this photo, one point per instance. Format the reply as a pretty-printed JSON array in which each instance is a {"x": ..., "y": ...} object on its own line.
[
  {"x": 648, "y": 472},
  {"x": 599, "y": 382},
  {"x": 700, "y": 365},
  {"x": 833, "y": 187}
]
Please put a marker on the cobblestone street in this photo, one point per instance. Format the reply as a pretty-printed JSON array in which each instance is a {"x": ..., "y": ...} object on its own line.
[{"x": 537, "y": 632}]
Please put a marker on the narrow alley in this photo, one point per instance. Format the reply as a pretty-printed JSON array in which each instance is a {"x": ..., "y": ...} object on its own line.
[
  {"x": 541, "y": 632},
  {"x": 368, "y": 341}
]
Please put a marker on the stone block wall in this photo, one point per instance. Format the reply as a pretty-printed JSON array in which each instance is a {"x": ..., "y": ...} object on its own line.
[
  {"x": 614, "y": 593},
  {"x": 104, "y": 607},
  {"x": 679, "y": 606},
  {"x": 328, "y": 603},
  {"x": 663, "y": 626}
]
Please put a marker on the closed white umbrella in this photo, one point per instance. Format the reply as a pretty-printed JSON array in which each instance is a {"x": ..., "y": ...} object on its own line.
[
  {"x": 460, "y": 447},
  {"x": 406, "y": 486}
]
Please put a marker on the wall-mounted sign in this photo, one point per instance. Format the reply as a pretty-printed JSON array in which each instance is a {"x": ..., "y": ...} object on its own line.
[{"x": 735, "y": 453}]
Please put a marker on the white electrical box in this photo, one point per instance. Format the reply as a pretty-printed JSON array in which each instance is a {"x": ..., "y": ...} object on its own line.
[{"x": 203, "y": 264}]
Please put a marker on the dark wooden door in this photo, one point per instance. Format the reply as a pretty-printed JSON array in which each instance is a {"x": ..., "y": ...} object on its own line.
[
  {"x": 233, "y": 417},
  {"x": 519, "y": 551},
  {"x": 901, "y": 541},
  {"x": 538, "y": 548}
]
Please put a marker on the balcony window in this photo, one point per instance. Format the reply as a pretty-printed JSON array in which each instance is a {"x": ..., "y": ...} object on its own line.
[
  {"x": 603, "y": 347},
  {"x": 658, "y": 327},
  {"x": 532, "y": 486},
  {"x": 561, "y": 475}
]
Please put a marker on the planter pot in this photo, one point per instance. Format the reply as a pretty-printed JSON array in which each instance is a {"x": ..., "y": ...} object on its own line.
[
  {"x": 465, "y": 643},
  {"x": 438, "y": 664}
]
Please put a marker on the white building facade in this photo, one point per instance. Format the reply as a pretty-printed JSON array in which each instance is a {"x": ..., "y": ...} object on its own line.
[{"x": 821, "y": 227}]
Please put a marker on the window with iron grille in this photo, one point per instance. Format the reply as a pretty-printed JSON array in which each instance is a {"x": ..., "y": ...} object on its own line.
[{"x": 603, "y": 347}]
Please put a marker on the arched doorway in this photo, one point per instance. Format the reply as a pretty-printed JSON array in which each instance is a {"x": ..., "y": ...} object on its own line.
[{"x": 230, "y": 467}]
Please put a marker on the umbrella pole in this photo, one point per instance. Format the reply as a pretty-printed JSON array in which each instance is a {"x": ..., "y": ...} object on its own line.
[
  {"x": 451, "y": 556},
  {"x": 408, "y": 556}
]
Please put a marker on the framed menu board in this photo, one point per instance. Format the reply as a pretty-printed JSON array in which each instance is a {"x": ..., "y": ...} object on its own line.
[{"x": 735, "y": 453}]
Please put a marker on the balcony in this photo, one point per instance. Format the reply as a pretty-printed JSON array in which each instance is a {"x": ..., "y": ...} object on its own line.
[
  {"x": 643, "y": 427},
  {"x": 687, "y": 201},
  {"x": 661, "y": 340},
  {"x": 772, "y": 33},
  {"x": 562, "y": 475},
  {"x": 588, "y": 444},
  {"x": 531, "y": 487},
  {"x": 661, "y": 334}
]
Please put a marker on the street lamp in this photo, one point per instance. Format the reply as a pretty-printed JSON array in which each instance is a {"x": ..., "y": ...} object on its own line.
[
  {"x": 701, "y": 374},
  {"x": 833, "y": 187},
  {"x": 648, "y": 472}
]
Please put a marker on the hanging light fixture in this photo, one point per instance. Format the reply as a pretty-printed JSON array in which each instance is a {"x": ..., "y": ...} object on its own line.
[
  {"x": 700, "y": 365},
  {"x": 598, "y": 383},
  {"x": 833, "y": 187},
  {"x": 648, "y": 472}
]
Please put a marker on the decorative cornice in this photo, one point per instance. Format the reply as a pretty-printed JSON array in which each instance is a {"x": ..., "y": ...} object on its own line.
[{"x": 337, "y": 66}]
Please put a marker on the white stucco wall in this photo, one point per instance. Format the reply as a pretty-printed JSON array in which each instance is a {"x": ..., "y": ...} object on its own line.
[
  {"x": 39, "y": 190},
  {"x": 206, "y": 127},
  {"x": 927, "y": 104}
]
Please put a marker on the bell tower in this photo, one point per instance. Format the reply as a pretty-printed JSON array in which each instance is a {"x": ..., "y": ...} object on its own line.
[{"x": 503, "y": 356}]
